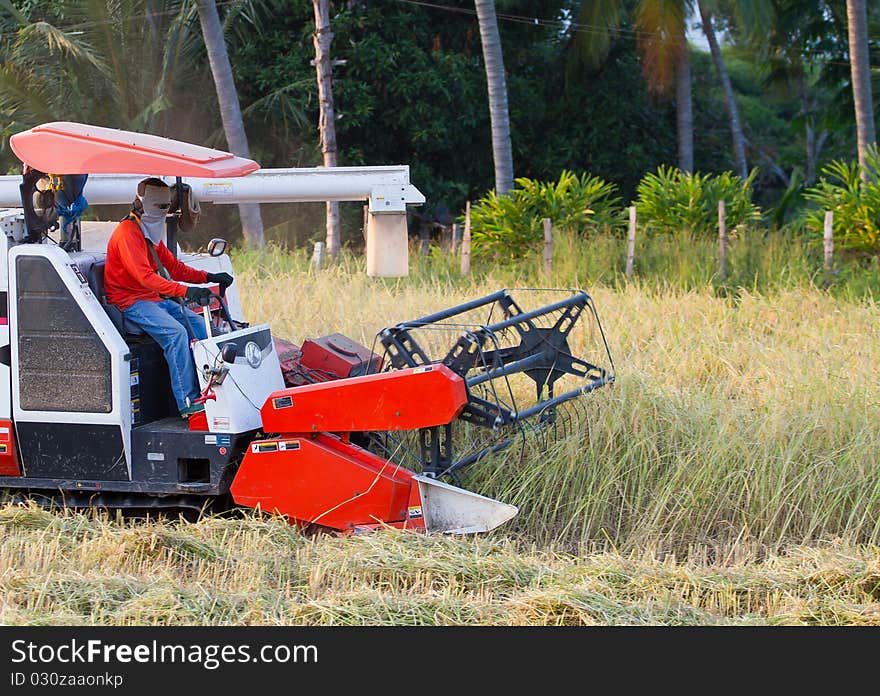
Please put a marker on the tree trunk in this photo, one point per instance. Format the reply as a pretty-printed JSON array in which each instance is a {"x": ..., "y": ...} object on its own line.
[
  {"x": 230, "y": 111},
  {"x": 327, "y": 118},
  {"x": 502, "y": 151},
  {"x": 859, "y": 60},
  {"x": 684, "y": 110},
  {"x": 810, "y": 144},
  {"x": 739, "y": 148}
]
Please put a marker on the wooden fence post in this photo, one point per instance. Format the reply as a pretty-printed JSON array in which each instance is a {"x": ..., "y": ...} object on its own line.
[
  {"x": 453, "y": 246},
  {"x": 548, "y": 246},
  {"x": 445, "y": 237},
  {"x": 722, "y": 242},
  {"x": 318, "y": 256},
  {"x": 631, "y": 248},
  {"x": 829, "y": 241},
  {"x": 466, "y": 241}
]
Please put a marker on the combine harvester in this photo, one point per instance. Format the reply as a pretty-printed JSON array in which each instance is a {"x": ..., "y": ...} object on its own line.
[{"x": 328, "y": 433}]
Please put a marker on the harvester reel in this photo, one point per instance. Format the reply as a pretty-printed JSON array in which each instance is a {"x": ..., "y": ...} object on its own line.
[{"x": 491, "y": 356}]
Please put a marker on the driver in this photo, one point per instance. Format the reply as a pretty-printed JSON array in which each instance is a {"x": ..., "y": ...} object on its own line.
[{"x": 139, "y": 278}]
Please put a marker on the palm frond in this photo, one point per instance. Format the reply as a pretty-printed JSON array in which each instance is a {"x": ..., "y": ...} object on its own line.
[
  {"x": 603, "y": 17},
  {"x": 281, "y": 104},
  {"x": 33, "y": 39},
  {"x": 661, "y": 26},
  {"x": 19, "y": 100},
  {"x": 13, "y": 11}
]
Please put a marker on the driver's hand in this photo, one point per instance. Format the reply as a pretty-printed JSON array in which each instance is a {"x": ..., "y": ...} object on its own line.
[
  {"x": 200, "y": 295},
  {"x": 223, "y": 279}
]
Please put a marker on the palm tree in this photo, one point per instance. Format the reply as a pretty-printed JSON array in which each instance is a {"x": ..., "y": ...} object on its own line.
[
  {"x": 122, "y": 63},
  {"x": 662, "y": 43},
  {"x": 860, "y": 66},
  {"x": 327, "y": 119},
  {"x": 106, "y": 68},
  {"x": 751, "y": 16},
  {"x": 810, "y": 80},
  {"x": 739, "y": 146},
  {"x": 230, "y": 110},
  {"x": 502, "y": 152}
]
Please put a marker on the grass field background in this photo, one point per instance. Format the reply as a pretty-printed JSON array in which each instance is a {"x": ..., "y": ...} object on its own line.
[{"x": 728, "y": 476}]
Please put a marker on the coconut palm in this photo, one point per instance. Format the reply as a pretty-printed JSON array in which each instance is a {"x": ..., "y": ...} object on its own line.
[
  {"x": 750, "y": 16},
  {"x": 661, "y": 32},
  {"x": 662, "y": 42},
  {"x": 502, "y": 152},
  {"x": 800, "y": 57},
  {"x": 107, "y": 68},
  {"x": 739, "y": 148},
  {"x": 121, "y": 63},
  {"x": 327, "y": 118},
  {"x": 860, "y": 66},
  {"x": 230, "y": 110}
]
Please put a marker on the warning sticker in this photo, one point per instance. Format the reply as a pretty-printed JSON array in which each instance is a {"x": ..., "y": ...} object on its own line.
[
  {"x": 414, "y": 513},
  {"x": 220, "y": 423},
  {"x": 210, "y": 439},
  {"x": 424, "y": 368},
  {"x": 263, "y": 447},
  {"x": 282, "y": 402},
  {"x": 219, "y": 189},
  {"x": 288, "y": 445},
  {"x": 3, "y": 447}
]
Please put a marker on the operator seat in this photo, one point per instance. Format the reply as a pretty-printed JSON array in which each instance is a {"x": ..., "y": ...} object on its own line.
[
  {"x": 151, "y": 394},
  {"x": 127, "y": 329}
]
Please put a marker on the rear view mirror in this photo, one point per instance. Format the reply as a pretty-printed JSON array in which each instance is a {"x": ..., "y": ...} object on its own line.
[
  {"x": 229, "y": 352},
  {"x": 216, "y": 246}
]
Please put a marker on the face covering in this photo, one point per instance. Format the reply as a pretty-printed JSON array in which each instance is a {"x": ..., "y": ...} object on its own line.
[{"x": 156, "y": 202}]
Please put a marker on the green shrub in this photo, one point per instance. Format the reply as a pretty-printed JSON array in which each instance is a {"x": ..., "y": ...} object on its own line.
[
  {"x": 511, "y": 226},
  {"x": 855, "y": 203},
  {"x": 673, "y": 201}
]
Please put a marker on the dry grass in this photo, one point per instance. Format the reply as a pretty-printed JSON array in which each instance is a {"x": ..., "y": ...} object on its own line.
[
  {"x": 737, "y": 418},
  {"x": 729, "y": 477},
  {"x": 65, "y": 568}
]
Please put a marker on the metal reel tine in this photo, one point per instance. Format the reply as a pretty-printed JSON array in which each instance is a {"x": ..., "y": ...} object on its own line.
[{"x": 541, "y": 437}]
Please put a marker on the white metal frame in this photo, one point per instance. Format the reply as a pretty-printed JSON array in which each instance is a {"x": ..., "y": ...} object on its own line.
[{"x": 386, "y": 188}]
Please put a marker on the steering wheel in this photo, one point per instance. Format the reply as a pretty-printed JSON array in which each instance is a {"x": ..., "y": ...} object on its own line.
[{"x": 224, "y": 308}]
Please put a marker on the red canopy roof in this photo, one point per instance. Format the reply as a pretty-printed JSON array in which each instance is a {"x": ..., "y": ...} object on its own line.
[{"x": 63, "y": 147}]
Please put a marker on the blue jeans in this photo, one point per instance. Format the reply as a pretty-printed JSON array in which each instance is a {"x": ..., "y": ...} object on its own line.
[{"x": 164, "y": 321}]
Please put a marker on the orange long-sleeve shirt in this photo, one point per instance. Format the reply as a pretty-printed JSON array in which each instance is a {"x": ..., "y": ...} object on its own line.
[{"x": 130, "y": 272}]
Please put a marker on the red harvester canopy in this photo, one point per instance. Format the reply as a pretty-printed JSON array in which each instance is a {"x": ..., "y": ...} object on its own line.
[{"x": 63, "y": 147}]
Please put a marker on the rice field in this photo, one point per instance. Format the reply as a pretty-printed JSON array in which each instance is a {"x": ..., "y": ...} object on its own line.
[
  {"x": 94, "y": 570},
  {"x": 729, "y": 476}
]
